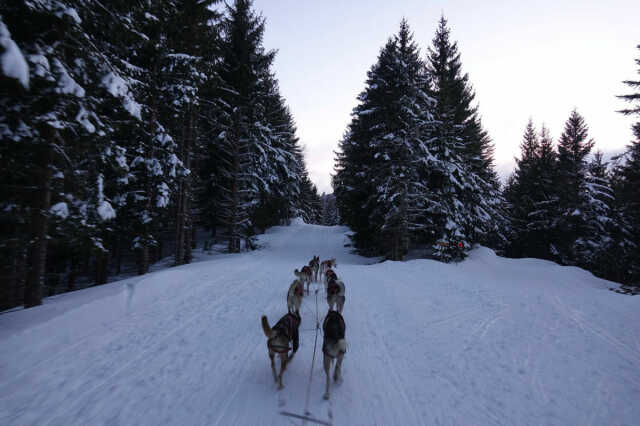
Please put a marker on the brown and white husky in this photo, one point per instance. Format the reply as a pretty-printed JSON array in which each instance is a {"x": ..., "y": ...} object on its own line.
[
  {"x": 284, "y": 332},
  {"x": 335, "y": 294},
  {"x": 304, "y": 275},
  {"x": 334, "y": 346},
  {"x": 294, "y": 296},
  {"x": 314, "y": 264},
  {"x": 328, "y": 276},
  {"x": 326, "y": 265}
]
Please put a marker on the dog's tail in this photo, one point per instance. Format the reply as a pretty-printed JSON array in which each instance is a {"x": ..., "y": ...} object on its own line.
[
  {"x": 265, "y": 327},
  {"x": 342, "y": 345}
]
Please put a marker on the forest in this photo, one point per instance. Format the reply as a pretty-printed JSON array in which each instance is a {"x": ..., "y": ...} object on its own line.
[
  {"x": 416, "y": 169},
  {"x": 127, "y": 127},
  {"x": 133, "y": 130}
]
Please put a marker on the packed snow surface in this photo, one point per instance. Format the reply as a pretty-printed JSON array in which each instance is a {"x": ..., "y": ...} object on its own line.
[{"x": 489, "y": 341}]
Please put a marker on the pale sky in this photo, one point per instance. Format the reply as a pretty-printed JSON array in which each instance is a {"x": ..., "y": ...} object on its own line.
[{"x": 537, "y": 59}]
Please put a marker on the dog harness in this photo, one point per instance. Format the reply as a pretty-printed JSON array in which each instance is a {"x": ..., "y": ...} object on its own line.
[
  {"x": 324, "y": 329},
  {"x": 287, "y": 325},
  {"x": 333, "y": 287}
]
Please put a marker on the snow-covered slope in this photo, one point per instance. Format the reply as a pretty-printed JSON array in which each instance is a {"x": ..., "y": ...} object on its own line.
[{"x": 489, "y": 341}]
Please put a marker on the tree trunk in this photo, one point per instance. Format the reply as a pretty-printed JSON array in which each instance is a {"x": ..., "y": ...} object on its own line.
[
  {"x": 37, "y": 251},
  {"x": 179, "y": 256},
  {"x": 118, "y": 255},
  {"x": 73, "y": 272},
  {"x": 102, "y": 267},
  {"x": 143, "y": 260}
]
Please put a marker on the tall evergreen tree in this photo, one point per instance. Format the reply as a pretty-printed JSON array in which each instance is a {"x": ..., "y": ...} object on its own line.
[
  {"x": 189, "y": 32},
  {"x": 607, "y": 244},
  {"x": 628, "y": 176},
  {"x": 258, "y": 166},
  {"x": 65, "y": 132},
  {"x": 377, "y": 182},
  {"x": 531, "y": 196},
  {"x": 470, "y": 200},
  {"x": 573, "y": 149}
]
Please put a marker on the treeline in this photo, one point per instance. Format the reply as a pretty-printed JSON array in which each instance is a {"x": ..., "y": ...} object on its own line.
[
  {"x": 415, "y": 166},
  {"x": 126, "y": 125},
  {"x": 575, "y": 208},
  {"x": 569, "y": 205},
  {"x": 415, "y": 169}
]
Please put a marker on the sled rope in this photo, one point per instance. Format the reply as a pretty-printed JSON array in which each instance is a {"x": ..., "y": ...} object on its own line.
[
  {"x": 307, "y": 414},
  {"x": 313, "y": 360}
]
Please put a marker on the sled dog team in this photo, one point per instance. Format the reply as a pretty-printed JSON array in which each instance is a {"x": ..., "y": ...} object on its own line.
[{"x": 285, "y": 331}]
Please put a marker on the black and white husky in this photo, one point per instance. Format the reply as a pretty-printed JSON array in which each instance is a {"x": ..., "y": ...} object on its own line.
[
  {"x": 314, "y": 265},
  {"x": 335, "y": 294},
  {"x": 294, "y": 296},
  {"x": 334, "y": 346},
  {"x": 284, "y": 332}
]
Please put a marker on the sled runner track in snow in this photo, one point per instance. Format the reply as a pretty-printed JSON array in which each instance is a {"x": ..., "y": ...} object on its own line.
[
  {"x": 433, "y": 343},
  {"x": 305, "y": 418}
]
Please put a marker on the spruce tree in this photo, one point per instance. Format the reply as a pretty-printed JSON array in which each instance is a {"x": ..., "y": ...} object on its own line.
[
  {"x": 520, "y": 193},
  {"x": 573, "y": 148},
  {"x": 65, "y": 131},
  {"x": 531, "y": 196},
  {"x": 608, "y": 242},
  {"x": 469, "y": 203},
  {"x": 628, "y": 178},
  {"x": 377, "y": 182},
  {"x": 258, "y": 162}
]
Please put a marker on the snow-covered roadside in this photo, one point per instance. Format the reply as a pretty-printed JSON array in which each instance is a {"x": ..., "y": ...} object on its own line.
[{"x": 486, "y": 341}]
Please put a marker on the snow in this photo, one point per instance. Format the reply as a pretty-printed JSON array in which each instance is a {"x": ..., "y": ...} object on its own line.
[
  {"x": 105, "y": 211},
  {"x": 83, "y": 118},
  {"x": 60, "y": 209},
  {"x": 66, "y": 84},
  {"x": 118, "y": 88},
  {"x": 483, "y": 342},
  {"x": 11, "y": 59}
]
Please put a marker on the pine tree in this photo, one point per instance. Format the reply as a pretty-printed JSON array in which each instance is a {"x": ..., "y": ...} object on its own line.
[
  {"x": 608, "y": 243},
  {"x": 573, "y": 149},
  {"x": 258, "y": 167},
  {"x": 520, "y": 193},
  {"x": 542, "y": 220},
  {"x": 62, "y": 123},
  {"x": 628, "y": 178},
  {"x": 377, "y": 183},
  {"x": 469, "y": 201},
  {"x": 329, "y": 210},
  {"x": 189, "y": 31},
  {"x": 531, "y": 196}
]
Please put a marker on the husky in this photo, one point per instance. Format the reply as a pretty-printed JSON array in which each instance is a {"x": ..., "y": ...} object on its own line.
[
  {"x": 304, "y": 275},
  {"x": 294, "y": 296},
  {"x": 285, "y": 331},
  {"x": 335, "y": 294},
  {"x": 326, "y": 265},
  {"x": 334, "y": 346},
  {"x": 314, "y": 264},
  {"x": 328, "y": 276}
]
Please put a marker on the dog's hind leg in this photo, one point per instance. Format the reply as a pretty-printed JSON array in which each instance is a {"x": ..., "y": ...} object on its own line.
[
  {"x": 340, "y": 303},
  {"x": 327, "y": 369},
  {"x": 283, "y": 366},
  {"x": 337, "y": 374},
  {"x": 273, "y": 366}
]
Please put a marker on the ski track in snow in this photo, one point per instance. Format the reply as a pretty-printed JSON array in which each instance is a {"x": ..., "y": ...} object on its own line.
[{"x": 489, "y": 341}]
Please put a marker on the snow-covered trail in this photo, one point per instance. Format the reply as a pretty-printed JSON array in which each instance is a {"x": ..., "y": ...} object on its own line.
[{"x": 488, "y": 341}]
